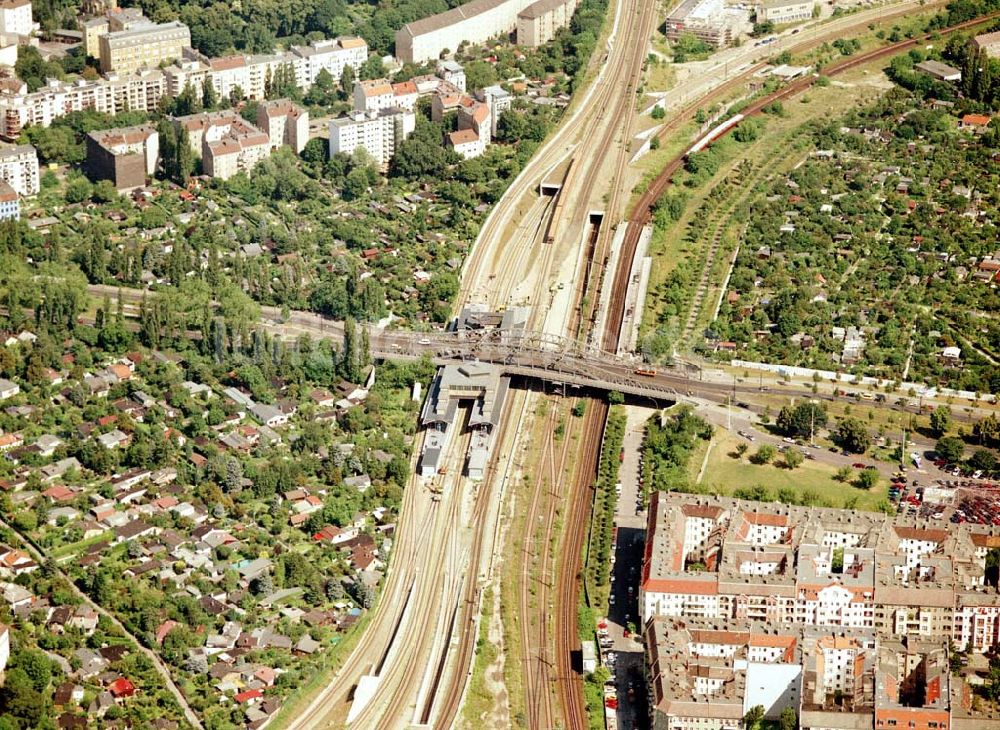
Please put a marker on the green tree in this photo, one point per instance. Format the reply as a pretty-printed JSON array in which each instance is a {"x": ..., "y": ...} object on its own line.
[
  {"x": 104, "y": 192},
  {"x": 355, "y": 185},
  {"x": 789, "y": 720},
  {"x": 983, "y": 459},
  {"x": 19, "y": 699},
  {"x": 764, "y": 454},
  {"x": 209, "y": 97},
  {"x": 78, "y": 189},
  {"x": 940, "y": 420},
  {"x": 852, "y": 435},
  {"x": 187, "y": 102},
  {"x": 793, "y": 458},
  {"x": 422, "y": 153},
  {"x": 987, "y": 430},
  {"x": 168, "y": 148},
  {"x": 950, "y": 448},
  {"x": 867, "y": 479},
  {"x": 753, "y": 717},
  {"x": 803, "y": 420},
  {"x": 185, "y": 157},
  {"x": 347, "y": 81}
]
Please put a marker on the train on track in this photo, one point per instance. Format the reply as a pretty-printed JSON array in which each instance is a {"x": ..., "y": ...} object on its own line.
[{"x": 714, "y": 133}]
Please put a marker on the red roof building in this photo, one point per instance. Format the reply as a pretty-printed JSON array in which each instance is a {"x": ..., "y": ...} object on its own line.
[{"x": 121, "y": 687}]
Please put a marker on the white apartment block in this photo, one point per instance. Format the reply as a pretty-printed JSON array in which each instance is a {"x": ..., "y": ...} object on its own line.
[
  {"x": 226, "y": 157},
  {"x": 331, "y": 56},
  {"x": 19, "y": 168},
  {"x": 538, "y": 23},
  {"x": 284, "y": 123},
  {"x": 143, "y": 46},
  {"x": 377, "y": 132},
  {"x": 406, "y": 94},
  {"x": 15, "y": 17},
  {"x": 373, "y": 96},
  {"x": 248, "y": 75},
  {"x": 783, "y": 11},
  {"x": 466, "y": 143},
  {"x": 144, "y": 89},
  {"x": 475, "y": 22},
  {"x": 114, "y": 94}
]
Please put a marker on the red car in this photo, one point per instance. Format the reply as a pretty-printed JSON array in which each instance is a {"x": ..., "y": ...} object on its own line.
[{"x": 859, "y": 465}]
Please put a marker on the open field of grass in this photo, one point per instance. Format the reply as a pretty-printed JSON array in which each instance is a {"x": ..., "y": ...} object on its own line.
[{"x": 724, "y": 472}]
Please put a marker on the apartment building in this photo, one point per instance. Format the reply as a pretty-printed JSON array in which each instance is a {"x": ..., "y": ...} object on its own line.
[
  {"x": 406, "y": 94},
  {"x": 10, "y": 203},
  {"x": 247, "y": 76},
  {"x": 226, "y": 143},
  {"x": 783, "y": 11},
  {"x": 284, "y": 123},
  {"x": 114, "y": 20},
  {"x": 15, "y": 17},
  {"x": 143, "y": 46},
  {"x": 143, "y": 90},
  {"x": 474, "y": 22},
  {"x": 498, "y": 100},
  {"x": 453, "y": 73},
  {"x": 706, "y": 675},
  {"x": 332, "y": 56},
  {"x": 377, "y": 132},
  {"x": 710, "y": 21},
  {"x": 19, "y": 168},
  {"x": 473, "y": 118},
  {"x": 722, "y": 559},
  {"x": 538, "y": 23},
  {"x": 374, "y": 95},
  {"x": 466, "y": 143},
  {"x": 126, "y": 156},
  {"x": 114, "y": 94}
]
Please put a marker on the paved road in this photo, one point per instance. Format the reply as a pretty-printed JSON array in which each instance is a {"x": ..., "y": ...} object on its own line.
[{"x": 631, "y": 525}]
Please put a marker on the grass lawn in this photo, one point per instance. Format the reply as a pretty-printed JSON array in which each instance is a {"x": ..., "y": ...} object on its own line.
[{"x": 724, "y": 473}]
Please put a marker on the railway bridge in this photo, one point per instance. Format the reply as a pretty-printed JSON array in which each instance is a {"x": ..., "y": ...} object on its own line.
[{"x": 533, "y": 355}]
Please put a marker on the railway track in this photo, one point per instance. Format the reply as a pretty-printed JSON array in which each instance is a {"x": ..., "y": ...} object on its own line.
[
  {"x": 642, "y": 212},
  {"x": 688, "y": 110},
  {"x": 534, "y": 566},
  {"x": 569, "y": 682},
  {"x": 569, "y": 687},
  {"x": 469, "y": 606}
]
